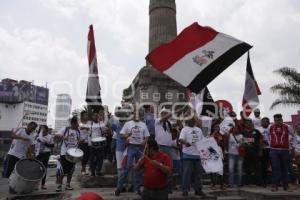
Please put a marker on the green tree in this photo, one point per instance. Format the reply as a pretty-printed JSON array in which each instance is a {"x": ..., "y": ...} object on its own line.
[{"x": 289, "y": 91}]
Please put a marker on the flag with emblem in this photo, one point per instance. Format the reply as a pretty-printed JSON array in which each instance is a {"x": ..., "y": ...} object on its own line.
[
  {"x": 93, "y": 96},
  {"x": 197, "y": 56},
  {"x": 251, "y": 92}
]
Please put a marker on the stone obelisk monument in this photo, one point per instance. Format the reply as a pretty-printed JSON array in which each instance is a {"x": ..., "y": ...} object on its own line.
[{"x": 151, "y": 86}]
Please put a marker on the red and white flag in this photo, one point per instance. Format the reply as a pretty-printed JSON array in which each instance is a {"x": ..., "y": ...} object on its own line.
[
  {"x": 93, "y": 96},
  {"x": 197, "y": 56},
  {"x": 251, "y": 92}
]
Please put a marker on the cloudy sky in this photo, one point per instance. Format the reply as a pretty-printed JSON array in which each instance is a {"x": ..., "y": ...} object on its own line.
[{"x": 45, "y": 41}]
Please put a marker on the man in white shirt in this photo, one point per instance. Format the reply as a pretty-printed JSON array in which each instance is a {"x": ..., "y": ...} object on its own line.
[
  {"x": 136, "y": 133},
  {"x": 189, "y": 136},
  {"x": 70, "y": 139},
  {"x": 84, "y": 127},
  {"x": 43, "y": 145},
  {"x": 22, "y": 146},
  {"x": 96, "y": 152}
]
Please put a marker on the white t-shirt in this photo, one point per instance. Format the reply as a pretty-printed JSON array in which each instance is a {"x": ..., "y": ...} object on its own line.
[
  {"x": 138, "y": 131},
  {"x": 18, "y": 147},
  {"x": 191, "y": 135},
  {"x": 233, "y": 145},
  {"x": 256, "y": 122},
  {"x": 71, "y": 142},
  {"x": 162, "y": 136},
  {"x": 95, "y": 131},
  {"x": 40, "y": 146},
  {"x": 265, "y": 132},
  {"x": 85, "y": 131}
]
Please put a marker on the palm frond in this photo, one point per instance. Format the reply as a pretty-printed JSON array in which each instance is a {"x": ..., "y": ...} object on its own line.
[
  {"x": 284, "y": 102},
  {"x": 290, "y": 74}
]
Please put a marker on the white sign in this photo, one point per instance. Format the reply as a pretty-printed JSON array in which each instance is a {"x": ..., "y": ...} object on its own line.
[{"x": 211, "y": 155}]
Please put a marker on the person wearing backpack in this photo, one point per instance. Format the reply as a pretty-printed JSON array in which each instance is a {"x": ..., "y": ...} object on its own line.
[{"x": 70, "y": 139}]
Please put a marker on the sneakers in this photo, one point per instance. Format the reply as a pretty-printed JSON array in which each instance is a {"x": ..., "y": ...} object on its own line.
[
  {"x": 99, "y": 174},
  {"x": 68, "y": 187},
  {"x": 59, "y": 188},
  {"x": 138, "y": 192},
  {"x": 117, "y": 192}
]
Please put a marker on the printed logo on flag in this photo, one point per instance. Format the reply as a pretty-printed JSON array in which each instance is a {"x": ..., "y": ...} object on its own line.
[{"x": 204, "y": 57}]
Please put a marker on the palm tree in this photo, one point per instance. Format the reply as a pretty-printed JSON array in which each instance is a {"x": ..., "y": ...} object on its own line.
[{"x": 289, "y": 92}]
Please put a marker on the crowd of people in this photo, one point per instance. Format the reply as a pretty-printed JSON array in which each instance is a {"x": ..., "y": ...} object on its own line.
[{"x": 148, "y": 151}]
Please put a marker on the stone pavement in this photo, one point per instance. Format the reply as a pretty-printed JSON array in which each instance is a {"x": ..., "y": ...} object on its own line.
[{"x": 246, "y": 193}]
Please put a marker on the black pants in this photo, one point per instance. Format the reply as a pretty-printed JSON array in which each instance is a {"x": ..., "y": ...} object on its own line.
[
  {"x": 155, "y": 194},
  {"x": 265, "y": 163},
  {"x": 11, "y": 162},
  {"x": 86, "y": 154},
  {"x": 96, "y": 159},
  {"x": 44, "y": 158},
  {"x": 252, "y": 166}
]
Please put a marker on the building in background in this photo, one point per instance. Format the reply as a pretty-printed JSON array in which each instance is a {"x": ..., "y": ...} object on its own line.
[
  {"x": 62, "y": 111},
  {"x": 20, "y": 103}
]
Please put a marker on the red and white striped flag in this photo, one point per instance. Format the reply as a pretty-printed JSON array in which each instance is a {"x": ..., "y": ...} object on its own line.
[
  {"x": 93, "y": 96},
  {"x": 251, "y": 92},
  {"x": 197, "y": 56}
]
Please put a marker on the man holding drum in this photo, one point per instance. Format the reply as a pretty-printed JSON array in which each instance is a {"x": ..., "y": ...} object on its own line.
[
  {"x": 97, "y": 144},
  {"x": 71, "y": 138},
  {"x": 136, "y": 133},
  {"x": 22, "y": 146}
]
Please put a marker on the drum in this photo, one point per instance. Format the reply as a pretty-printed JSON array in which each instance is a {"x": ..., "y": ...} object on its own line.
[
  {"x": 26, "y": 176},
  {"x": 74, "y": 155},
  {"x": 99, "y": 142}
]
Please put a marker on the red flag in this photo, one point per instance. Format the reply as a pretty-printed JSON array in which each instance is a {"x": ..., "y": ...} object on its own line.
[
  {"x": 251, "y": 92},
  {"x": 197, "y": 56},
  {"x": 93, "y": 96}
]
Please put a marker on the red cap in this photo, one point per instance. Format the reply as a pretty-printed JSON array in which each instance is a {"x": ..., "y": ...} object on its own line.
[{"x": 89, "y": 196}]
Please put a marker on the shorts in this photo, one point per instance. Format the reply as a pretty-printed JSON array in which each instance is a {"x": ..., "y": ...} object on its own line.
[{"x": 66, "y": 167}]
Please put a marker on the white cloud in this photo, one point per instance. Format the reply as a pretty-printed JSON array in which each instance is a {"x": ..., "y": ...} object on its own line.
[{"x": 121, "y": 29}]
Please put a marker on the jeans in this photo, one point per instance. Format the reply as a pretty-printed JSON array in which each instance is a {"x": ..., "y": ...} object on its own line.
[
  {"x": 11, "y": 162},
  {"x": 134, "y": 153},
  {"x": 235, "y": 162},
  {"x": 44, "y": 158},
  {"x": 291, "y": 171},
  {"x": 279, "y": 163},
  {"x": 192, "y": 168},
  {"x": 96, "y": 159}
]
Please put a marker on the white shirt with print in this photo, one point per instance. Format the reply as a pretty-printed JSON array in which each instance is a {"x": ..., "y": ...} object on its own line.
[
  {"x": 71, "y": 142},
  {"x": 162, "y": 136},
  {"x": 40, "y": 146},
  {"x": 18, "y": 147},
  {"x": 138, "y": 131},
  {"x": 95, "y": 131},
  {"x": 85, "y": 131},
  {"x": 191, "y": 135},
  {"x": 233, "y": 145}
]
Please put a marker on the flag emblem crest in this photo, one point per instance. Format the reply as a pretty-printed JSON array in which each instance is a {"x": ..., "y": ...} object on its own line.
[{"x": 204, "y": 57}]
